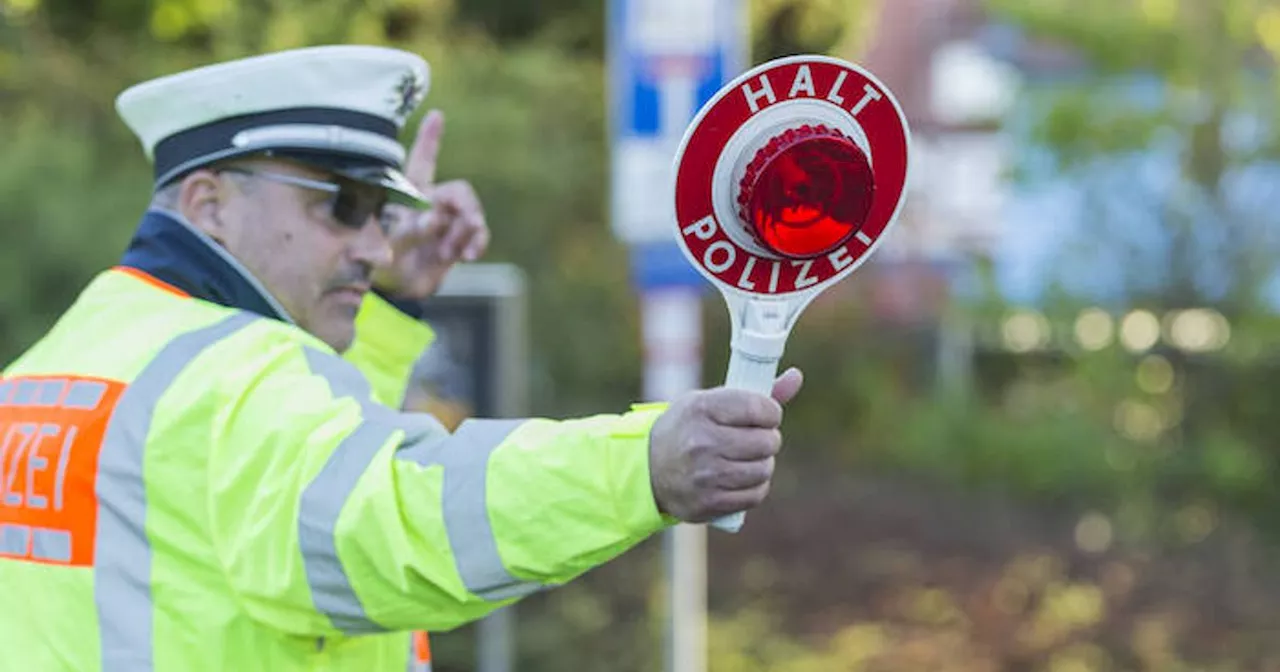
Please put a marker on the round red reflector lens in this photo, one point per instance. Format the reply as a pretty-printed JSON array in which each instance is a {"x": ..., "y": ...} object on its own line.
[{"x": 806, "y": 192}]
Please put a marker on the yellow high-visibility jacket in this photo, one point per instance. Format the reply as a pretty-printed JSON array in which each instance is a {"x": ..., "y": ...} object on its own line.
[{"x": 191, "y": 484}]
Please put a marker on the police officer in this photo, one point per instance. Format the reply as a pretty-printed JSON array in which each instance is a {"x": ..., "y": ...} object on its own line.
[{"x": 202, "y": 464}]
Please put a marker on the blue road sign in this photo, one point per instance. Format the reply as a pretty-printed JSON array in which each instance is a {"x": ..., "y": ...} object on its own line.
[
  {"x": 657, "y": 265},
  {"x": 665, "y": 59},
  {"x": 650, "y": 38}
]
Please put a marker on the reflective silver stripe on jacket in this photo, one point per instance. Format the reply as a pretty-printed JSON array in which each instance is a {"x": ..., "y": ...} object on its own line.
[
  {"x": 122, "y": 552},
  {"x": 327, "y": 493},
  {"x": 464, "y": 457}
]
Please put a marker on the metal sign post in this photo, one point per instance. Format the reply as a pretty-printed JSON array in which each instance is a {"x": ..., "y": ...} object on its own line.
[
  {"x": 478, "y": 365},
  {"x": 666, "y": 57}
]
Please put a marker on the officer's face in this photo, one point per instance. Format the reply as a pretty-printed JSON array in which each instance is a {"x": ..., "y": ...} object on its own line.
[{"x": 288, "y": 237}]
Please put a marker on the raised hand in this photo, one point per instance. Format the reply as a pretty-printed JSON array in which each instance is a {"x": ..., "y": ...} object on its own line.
[{"x": 427, "y": 244}]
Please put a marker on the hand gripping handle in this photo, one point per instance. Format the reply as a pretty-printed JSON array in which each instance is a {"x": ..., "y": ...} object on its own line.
[
  {"x": 760, "y": 335},
  {"x": 746, "y": 372}
]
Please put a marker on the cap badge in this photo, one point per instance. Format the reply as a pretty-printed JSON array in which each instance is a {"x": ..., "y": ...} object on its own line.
[{"x": 407, "y": 94}]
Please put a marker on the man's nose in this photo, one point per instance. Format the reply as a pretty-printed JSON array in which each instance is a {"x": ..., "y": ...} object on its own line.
[{"x": 372, "y": 245}]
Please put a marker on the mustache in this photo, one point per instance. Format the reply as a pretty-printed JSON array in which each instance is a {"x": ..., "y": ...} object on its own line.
[{"x": 359, "y": 274}]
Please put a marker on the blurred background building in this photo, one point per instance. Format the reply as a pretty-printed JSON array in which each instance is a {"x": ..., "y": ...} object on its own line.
[{"x": 440, "y": 383}]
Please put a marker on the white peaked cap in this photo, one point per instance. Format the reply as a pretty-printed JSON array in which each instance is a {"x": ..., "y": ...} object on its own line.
[{"x": 340, "y": 107}]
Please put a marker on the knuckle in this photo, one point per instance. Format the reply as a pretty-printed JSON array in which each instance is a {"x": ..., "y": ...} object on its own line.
[
  {"x": 719, "y": 503},
  {"x": 749, "y": 475},
  {"x": 763, "y": 472},
  {"x": 698, "y": 404},
  {"x": 769, "y": 467},
  {"x": 769, "y": 411},
  {"x": 698, "y": 442},
  {"x": 774, "y": 441},
  {"x": 723, "y": 405},
  {"x": 739, "y": 447},
  {"x": 758, "y": 493},
  {"x": 759, "y": 444},
  {"x": 739, "y": 476},
  {"x": 704, "y": 478}
]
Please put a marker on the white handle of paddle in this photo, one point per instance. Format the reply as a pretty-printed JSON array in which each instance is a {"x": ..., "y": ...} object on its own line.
[
  {"x": 746, "y": 372},
  {"x": 760, "y": 331},
  {"x": 750, "y": 372}
]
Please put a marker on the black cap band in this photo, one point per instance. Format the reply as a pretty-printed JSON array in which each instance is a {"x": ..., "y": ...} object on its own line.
[{"x": 194, "y": 147}]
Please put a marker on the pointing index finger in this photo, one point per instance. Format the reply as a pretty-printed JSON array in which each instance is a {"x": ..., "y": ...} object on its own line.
[{"x": 420, "y": 167}]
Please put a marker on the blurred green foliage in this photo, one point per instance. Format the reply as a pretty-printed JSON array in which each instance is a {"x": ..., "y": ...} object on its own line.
[{"x": 1124, "y": 487}]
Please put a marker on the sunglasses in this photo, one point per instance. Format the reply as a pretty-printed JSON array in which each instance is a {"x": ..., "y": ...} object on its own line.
[{"x": 351, "y": 203}]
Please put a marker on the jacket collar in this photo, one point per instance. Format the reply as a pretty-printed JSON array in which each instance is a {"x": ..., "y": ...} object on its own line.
[{"x": 168, "y": 248}]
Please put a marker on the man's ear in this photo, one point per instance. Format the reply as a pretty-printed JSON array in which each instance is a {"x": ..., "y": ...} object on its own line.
[{"x": 201, "y": 195}]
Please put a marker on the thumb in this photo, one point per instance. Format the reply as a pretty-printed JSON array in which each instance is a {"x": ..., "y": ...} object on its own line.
[{"x": 787, "y": 386}]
